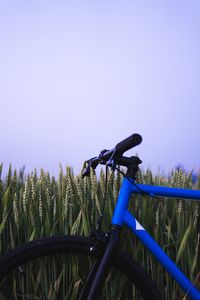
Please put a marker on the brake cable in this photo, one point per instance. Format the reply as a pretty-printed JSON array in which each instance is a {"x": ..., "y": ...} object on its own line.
[
  {"x": 133, "y": 183},
  {"x": 99, "y": 223}
]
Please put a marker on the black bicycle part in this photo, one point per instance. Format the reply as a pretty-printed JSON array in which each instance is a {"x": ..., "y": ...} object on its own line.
[
  {"x": 100, "y": 219},
  {"x": 123, "y": 146},
  {"x": 101, "y": 239},
  {"x": 89, "y": 280},
  {"x": 114, "y": 156},
  {"x": 104, "y": 264},
  {"x": 128, "y": 143},
  {"x": 81, "y": 246}
]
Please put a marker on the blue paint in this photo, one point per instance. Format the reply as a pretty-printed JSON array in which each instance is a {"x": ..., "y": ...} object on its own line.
[
  {"x": 122, "y": 202},
  {"x": 122, "y": 216},
  {"x": 167, "y": 192},
  {"x": 160, "y": 255}
]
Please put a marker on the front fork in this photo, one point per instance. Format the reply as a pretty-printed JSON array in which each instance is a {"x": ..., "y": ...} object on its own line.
[{"x": 99, "y": 270}]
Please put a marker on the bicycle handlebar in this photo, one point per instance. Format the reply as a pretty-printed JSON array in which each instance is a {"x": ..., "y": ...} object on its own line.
[
  {"x": 130, "y": 142},
  {"x": 110, "y": 155}
]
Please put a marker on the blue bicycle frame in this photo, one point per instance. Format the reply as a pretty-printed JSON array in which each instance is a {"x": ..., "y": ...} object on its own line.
[{"x": 122, "y": 216}]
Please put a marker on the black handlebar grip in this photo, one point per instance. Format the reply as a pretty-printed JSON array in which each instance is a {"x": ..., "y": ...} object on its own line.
[{"x": 130, "y": 142}]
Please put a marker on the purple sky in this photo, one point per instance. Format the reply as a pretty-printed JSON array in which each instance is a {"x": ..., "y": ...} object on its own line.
[{"x": 79, "y": 76}]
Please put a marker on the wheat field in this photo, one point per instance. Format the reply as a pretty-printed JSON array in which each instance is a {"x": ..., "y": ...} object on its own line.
[{"x": 39, "y": 205}]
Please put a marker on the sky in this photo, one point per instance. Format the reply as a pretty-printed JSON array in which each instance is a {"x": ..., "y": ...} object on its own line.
[{"x": 77, "y": 77}]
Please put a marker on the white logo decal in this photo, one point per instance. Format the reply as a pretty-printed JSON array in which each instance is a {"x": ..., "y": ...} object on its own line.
[{"x": 138, "y": 226}]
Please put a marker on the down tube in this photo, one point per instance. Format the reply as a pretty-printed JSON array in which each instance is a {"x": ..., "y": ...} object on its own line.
[{"x": 156, "y": 250}]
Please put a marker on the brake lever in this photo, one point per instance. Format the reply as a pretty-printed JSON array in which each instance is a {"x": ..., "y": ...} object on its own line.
[
  {"x": 91, "y": 163},
  {"x": 111, "y": 163},
  {"x": 86, "y": 173}
]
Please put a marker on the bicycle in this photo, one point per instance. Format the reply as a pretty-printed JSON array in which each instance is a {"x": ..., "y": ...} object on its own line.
[{"x": 100, "y": 250}]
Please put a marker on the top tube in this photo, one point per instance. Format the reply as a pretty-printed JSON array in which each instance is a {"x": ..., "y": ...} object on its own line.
[
  {"x": 166, "y": 191},
  {"x": 128, "y": 188}
]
